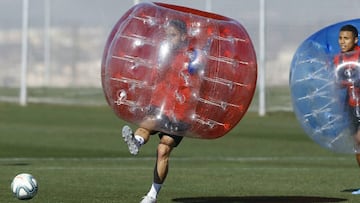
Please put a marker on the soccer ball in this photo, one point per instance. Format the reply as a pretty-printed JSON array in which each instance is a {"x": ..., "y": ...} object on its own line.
[{"x": 24, "y": 186}]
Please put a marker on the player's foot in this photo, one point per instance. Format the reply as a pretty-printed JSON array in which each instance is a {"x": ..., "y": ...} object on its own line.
[
  {"x": 130, "y": 140},
  {"x": 148, "y": 199},
  {"x": 356, "y": 192}
]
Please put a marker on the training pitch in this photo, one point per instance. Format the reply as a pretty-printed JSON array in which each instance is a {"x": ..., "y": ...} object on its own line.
[{"x": 77, "y": 155}]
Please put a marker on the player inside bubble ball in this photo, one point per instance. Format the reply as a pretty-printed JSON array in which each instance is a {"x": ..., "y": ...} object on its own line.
[
  {"x": 348, "y": 71},
  {"x": 171, "y": 103}
]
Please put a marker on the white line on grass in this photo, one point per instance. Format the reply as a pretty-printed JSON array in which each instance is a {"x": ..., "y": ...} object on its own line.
[
  {"x": 135, "y": 169},
  {"x": 230, "y": 159},
  {"x": 125, "y": 167}
]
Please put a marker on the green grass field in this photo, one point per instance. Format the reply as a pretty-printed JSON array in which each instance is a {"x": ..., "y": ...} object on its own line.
[{"x": 77, "y": 155}]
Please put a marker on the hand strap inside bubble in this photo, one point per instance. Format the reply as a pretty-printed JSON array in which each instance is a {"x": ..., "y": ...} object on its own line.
[{"x": 198, "y": 58}]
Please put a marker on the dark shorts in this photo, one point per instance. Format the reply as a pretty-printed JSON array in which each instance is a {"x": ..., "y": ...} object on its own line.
[
  {"x": 177, "y": 138},
  {"x": 168, "y": 127}
]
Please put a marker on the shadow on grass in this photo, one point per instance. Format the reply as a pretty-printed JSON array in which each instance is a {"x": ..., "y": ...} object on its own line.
[
  {"x": 15, "y": 164},
  {"x": 258, "y": 199},
  {"x": 351, "y": 190}
]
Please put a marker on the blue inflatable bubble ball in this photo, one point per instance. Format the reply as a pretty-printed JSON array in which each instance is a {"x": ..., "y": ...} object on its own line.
[{"x": 325, "y": 86}]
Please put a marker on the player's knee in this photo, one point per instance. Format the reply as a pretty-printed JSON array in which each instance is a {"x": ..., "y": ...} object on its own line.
[
  {"x": 149, "y": 123},
  {"x": 164, "y": 150}
]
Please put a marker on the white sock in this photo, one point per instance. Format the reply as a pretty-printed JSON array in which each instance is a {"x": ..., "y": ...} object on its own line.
[
  {"x": 140, "y": 139},
  {"x": 154, "y": 190}
]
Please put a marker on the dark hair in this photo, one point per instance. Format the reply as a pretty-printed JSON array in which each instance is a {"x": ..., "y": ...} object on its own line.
[
  {"x": 350, "y": 28},
  {"x": 179, "y": 25}
]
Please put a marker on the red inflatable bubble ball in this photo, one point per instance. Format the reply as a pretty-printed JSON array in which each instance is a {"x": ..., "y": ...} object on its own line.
[{"x": 179, "y": 70}]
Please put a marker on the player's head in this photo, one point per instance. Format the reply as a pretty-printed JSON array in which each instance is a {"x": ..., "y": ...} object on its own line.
[
  {"x": 176, "y": 33},
  {"x": 348, "y": 38}
]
